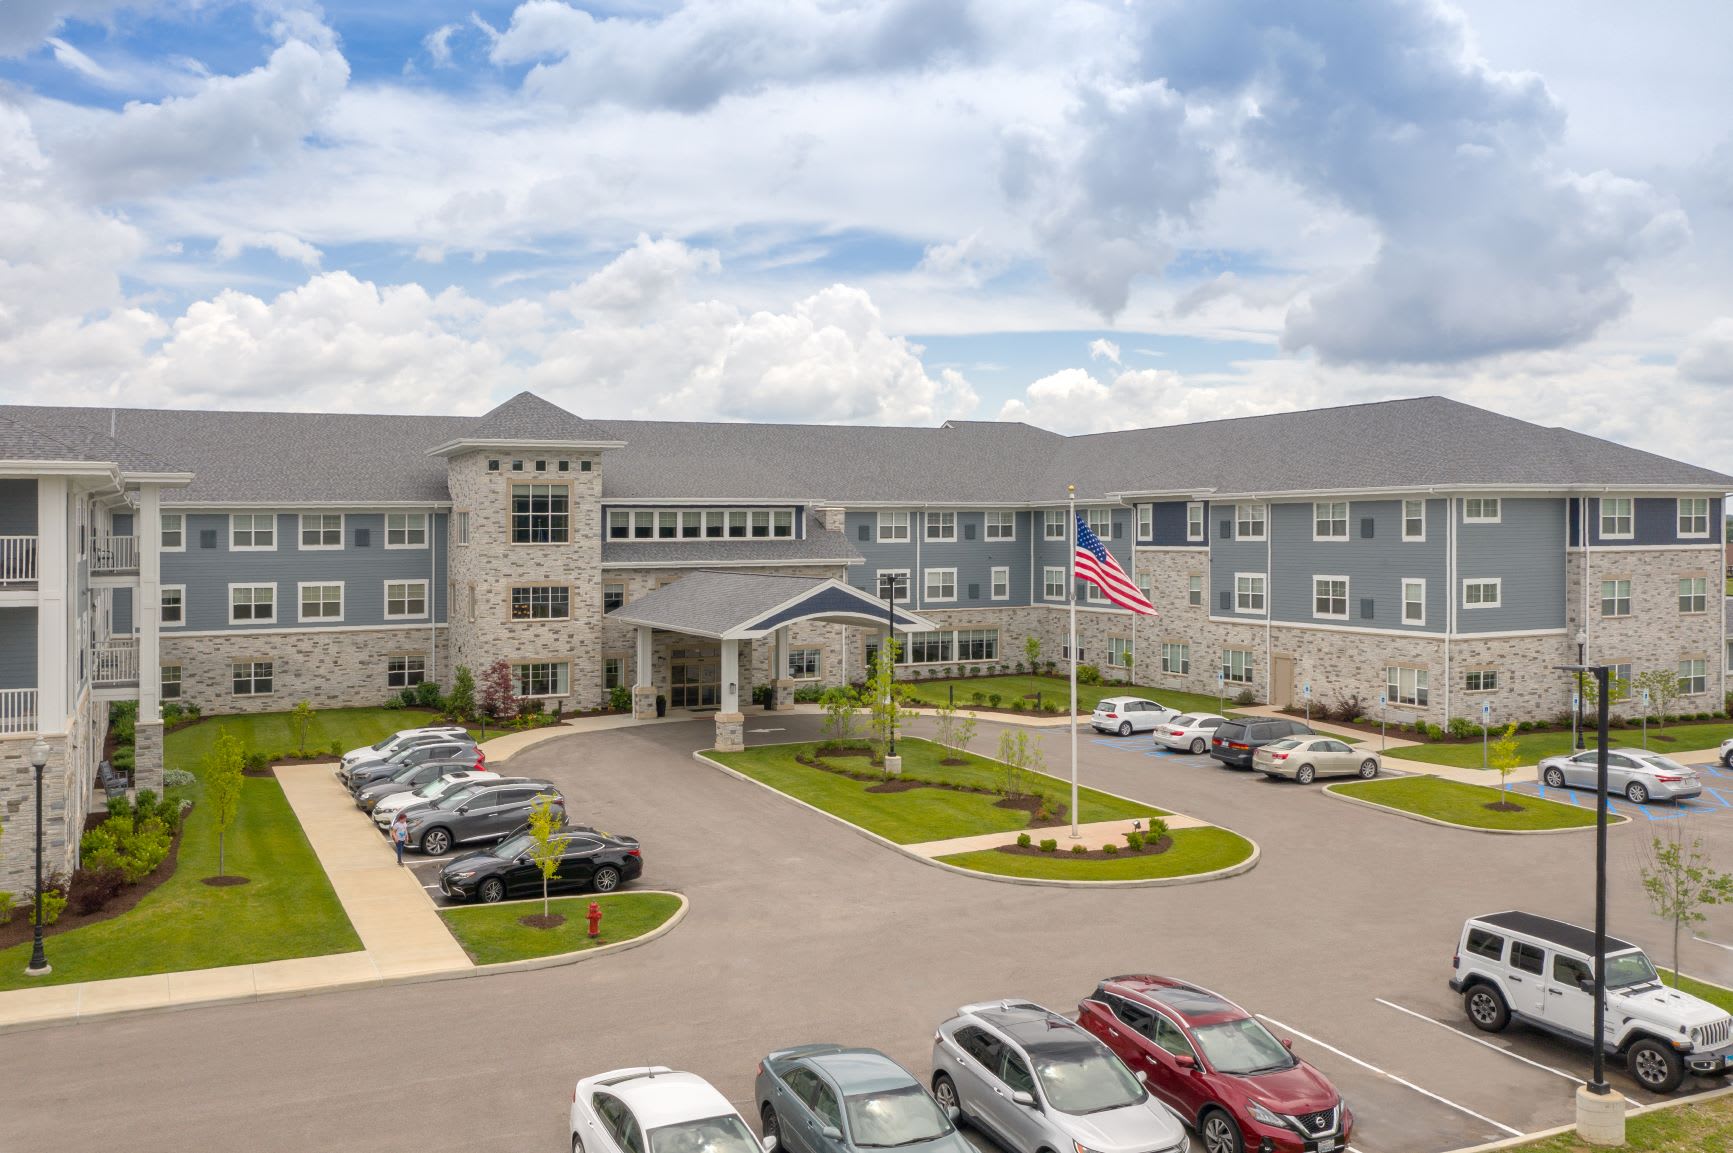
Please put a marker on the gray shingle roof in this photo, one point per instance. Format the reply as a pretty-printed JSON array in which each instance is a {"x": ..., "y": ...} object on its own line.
[
  {"x": 817, "y": 547},
  {"x": 528, "y": 417},
  {"x": 23, "y": 439},
  {"x": 708, "y": 603}
]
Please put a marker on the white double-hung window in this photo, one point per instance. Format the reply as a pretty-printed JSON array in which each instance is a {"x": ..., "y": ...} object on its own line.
[
  {"x": 941, "y": 526},
  {"x": 252, "y": 604},
  {"x": 1414, "y": 601},
  {"x": 1330, "y": 597},
  {"x": 1175, "y": 657},
  {"x": 1249, "y": 522},
  {"x": 1407, "y": 686},
  {"x": 1001, "y": 525},
  {"x": 1482, "y": 592},
  {"x": 1001, "y": 583},
  {"x": 174, "y": 538},
  {"x": 1194, "y": 521},
  {"x": 1617, "y": 518},
  {"x": 1616, "y": 598},
  {"x": 405, "y": 599},
  {"x": 893, "y": 526},
  {"x": 1053, "y": 583},
  {"x": 1413, "y": 520},
  {"x": 321, "y": 530},
  {"x": 1694, "y": 516},
  {"x": 1249, "y": 592},
  {"x": 1480, "y": 510},
  {"x": 1693, "y": 677},
  {"x": 252, "y": 531},
  {"x": 940, "y": 584},
  {"x": 1693, "y": 594},
  {"x": 1330, "y": 520},
  {"x": 1053, "y": 524},
  {"x": 322, "y": 603},
  {"x": 406, "y": 530},
  {"x": 1237, "y": 666}
]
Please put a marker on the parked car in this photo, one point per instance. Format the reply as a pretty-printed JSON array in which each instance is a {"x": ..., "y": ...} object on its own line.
[
  {"x": 408, "y": 780},
  {"x": 446, "y": 749},
  {"x": 1037, "y": 1081},
  {"x": 1306, "y": 758},
  {"x": 477, "y": 813},
  {"x": 1189, "y": 732},
  {"x": 831, "y": 1099},
  {"x": 1127, "y": 715},
  {"x": 590, "y": 860},
  {"x": 384, "y": 748},
  {"x": 1727, "y": 752},
  {"x": 1236, "y": 742},
  {"x": 1640, "y": 776},
  {"x": 656, "y": 1110},
  {"x": 1217, "y": 1066},
  {"x": 1540, "y": 971},
  {"x": 386, "y": 810}
]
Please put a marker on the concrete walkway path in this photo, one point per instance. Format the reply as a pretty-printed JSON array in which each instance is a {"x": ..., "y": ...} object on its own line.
[{"x": 1094, "y": 835}]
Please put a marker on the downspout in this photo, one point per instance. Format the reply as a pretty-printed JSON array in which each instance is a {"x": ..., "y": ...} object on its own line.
[{"x": 1270, "y": 604}]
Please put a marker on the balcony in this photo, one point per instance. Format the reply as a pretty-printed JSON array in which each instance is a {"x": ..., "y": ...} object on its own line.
[
  {"x": 17, "y": 711},
  {"x": 113, "y": 554},
  {"x": 114, "y": 663},
  {"x": 17, "y": 559}
]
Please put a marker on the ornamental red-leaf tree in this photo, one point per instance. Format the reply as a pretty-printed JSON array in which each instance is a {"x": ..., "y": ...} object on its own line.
[{"x": 499, "y": 691}]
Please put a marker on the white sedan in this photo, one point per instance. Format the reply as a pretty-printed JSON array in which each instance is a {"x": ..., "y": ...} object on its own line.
[
  {"x": 657, "y": 1110},
  {"x": 1127, "y": 715},
  {"x": 385, "y": 811},
  {"x": 1189, "y": 733}
]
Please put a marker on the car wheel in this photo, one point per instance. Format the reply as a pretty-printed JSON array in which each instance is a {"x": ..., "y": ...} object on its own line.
[
  {"x": 768, "y": 1122},
  {"x": 1304, "y": 774},
  {"x": 1636, "y": 793},
  {"x": 434, "y": 842},
  {"x": 1197, "y": 747},
  {"x": 1486, "y": 1008},
  {"x": 492, "y": 891},
  {"x": 1728, "y": 759},
  {"x": 577, "y": 1144},
  {"x": 1656, "y": 1067},
  {"x": 1554, "y": 777},
  {"x": 1125, "y": 728},
  {"x": 607, "y": 879},
  {"x": 945, "y": 1093},
  {"x": 1219, "y": 1133},
  {"x": 1368, "y": 768}
]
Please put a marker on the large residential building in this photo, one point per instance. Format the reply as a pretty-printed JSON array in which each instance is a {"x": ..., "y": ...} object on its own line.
[{"x": 1424, "y": 550}]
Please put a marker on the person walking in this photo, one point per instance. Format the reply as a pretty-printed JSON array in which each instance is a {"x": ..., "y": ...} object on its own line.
[{"x": 400, "y": 834}]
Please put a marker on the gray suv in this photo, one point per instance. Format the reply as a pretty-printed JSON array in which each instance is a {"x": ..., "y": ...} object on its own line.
[
  {"x": 1035, "y": 1080},
  {"x": 357, "y": 777},
  {"x": 478, "y": 814},
  {"x": 1235, "y": 743}
]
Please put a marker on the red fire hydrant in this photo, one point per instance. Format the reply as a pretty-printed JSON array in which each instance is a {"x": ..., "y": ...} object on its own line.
[{"x": 595, "y": 918}]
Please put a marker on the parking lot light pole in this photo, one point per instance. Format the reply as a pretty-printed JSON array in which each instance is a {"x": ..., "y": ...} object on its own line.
[
  {"x": 1582, "y": 639},
  {"x": 890, "y": 639}
]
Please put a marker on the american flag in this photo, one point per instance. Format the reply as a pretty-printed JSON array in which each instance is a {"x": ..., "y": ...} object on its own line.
[{"x": 1097, "y": 566}]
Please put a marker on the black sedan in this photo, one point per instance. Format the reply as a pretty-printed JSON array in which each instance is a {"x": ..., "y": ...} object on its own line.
[{"x": 591, "y": 860}]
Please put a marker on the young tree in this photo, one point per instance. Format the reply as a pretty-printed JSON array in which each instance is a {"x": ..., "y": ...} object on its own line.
[
  {"x": 461, "y": 702},
  {"x": 839, "y": 706},
  {"x": 223, "y": 784},
  {"x": 499, "y": 691},
  {"x": 946, "y": 716},
  {"x": 1126, "y": 660},
  {"x": 1032, "y": 650},
  {"x": 881, "y": 693},
  {"x": 1013, "y": 749},
  {"x": 1680, "y": 882},
  {"x": 1663, "y": 686},
  {"x": 301, "y": 720},
  {"x": 547, "y": 842},
  {"x": 963, "y": 734},
  {"x": 1504, "y": 757}
]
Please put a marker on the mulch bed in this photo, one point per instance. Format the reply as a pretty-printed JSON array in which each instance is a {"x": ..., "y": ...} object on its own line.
[
  {"x": 269, "y": 770},
  {"x": 538, "y": 921},
  {"x": 1149, "y": 850},
  {"x": 896, "y": 785},
  {"x": 225, "y": 882},
  {"x": 1503, "y": 807},
  {"x": 19, "y": 929}
]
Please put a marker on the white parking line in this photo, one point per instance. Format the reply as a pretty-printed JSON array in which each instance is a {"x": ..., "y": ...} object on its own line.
[
  {"x": 1487, "y": 1044},
  {"x": 1707, "y": 941},
  {"x": 1393, "y": 1077}
]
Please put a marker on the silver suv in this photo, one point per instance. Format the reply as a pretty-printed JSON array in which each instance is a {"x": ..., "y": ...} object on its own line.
[
  {"x": 479, "y": 813},
  {"x": 1036, "y": 1080}
]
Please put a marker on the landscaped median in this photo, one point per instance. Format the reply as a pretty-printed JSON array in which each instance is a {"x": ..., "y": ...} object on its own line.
[
  {"x": 943, "y": 796},
  {"x": 496, "y": 934},
  {"x": 1465, "y": 806},
  {"x": 1035, "y": 692},
  {"x": 1532, "y": 747}
]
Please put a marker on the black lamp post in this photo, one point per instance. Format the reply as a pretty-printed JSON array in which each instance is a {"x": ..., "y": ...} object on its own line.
[
  {"x": 1582, "y": 647},
  {"x": 890, "y": 639},
  {"x": 1601, "y": 673},
  {"x": 38, "y": 966}
]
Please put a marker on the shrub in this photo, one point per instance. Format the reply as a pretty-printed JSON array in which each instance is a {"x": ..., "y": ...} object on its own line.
[
  {"x": 1017, "y": 705},
  {"x": 256, "y": 762},
  {"x": 1134, "y": 841},
  {"x": 803, "y": 694},
  {"x": 1049, "y": 845},
  {"x": 123, "y": 760},
  {"x": 181, "y": 779},
  {"x": 1525, "y": 726},
  {"x": 1349, "y": 707},
  {"x": 1050, "y": 707},
  {"x": 427, "y": 695},
  {"x": 394, "y": 701},
  {"x": 1109, "y": 848},
  {"x": 121, "y": 806},
  {"x": 172, "y": 712},
  {"x": 1019, "y": 667},
  {"x": 994, "y": 699},
  {"x": 406, "y": 698},
  {"x": 1245, "y": 697},
  {"x": 93, "y": 889},
  {"x": 1078, "y": 849},
  {"x": 1088, "y": 675},
  {"x": 978, "y": 697},
  {"x": 531, "y": 707},
  {"x": 334, "y": 749},
  {"x": 761, "y": 694},
  {"x": 1023, "y": 840},
  {"x": 461, "y": 702},
  {"x": 1049, "y": 666},
  {"x": 53, "y": 904},
  {"x": 620, "y": 697}
]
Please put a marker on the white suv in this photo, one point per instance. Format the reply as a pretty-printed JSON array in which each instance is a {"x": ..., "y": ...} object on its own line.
[
  {"x": 1727, "y": 752},
  {"x": 1541, "y": 972}
]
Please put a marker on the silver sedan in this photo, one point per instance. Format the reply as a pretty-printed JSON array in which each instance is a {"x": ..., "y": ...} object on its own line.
[{"x": 1638, "y": 775}]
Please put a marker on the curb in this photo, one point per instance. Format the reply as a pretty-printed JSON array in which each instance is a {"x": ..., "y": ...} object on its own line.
[
  {"x": 1146, "y": 883},
  {"x": 1640, "y": 1110},
  {"x": 1612, "y": 818},
  {"x": 558, "y": 960}
]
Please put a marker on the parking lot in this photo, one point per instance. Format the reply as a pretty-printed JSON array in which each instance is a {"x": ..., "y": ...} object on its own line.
[
  {"x": 1341, "y": 939},
  {"x": 1716, "y": 801}
]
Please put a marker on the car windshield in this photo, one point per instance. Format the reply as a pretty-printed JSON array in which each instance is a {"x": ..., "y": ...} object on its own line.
[
  {"x": 454, "y": 799},
  {"x": 380, "y": 746},
  {"x": 1084, "y": 1078},
  {"x": 1182, "y": 722},
  {"x": 511, "y": 847},
  {"x": 1626, "y": 969},
  {"x": 724, "y": 1134},
  {"x": 404, "y": 773},
  {"x": 885, "y": 1120},
  {"x": 1243, "y": 1046},
  {"x": 433, "y": 788}
]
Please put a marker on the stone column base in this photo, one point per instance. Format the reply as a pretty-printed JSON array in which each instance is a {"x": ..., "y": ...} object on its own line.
[
  {"x": 894, "y": 766},
  {"x": 1600, "y": 1117},
  {"x": 730, "y": 732},
  {"x": 147, "y": 766},
  {"x": 643, "y": 702},
  {"x": 783, "y": 695}
]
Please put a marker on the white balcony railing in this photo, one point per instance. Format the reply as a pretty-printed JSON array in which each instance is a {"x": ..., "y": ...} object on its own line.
[
  {"x": 17, "y": 710},
  {"x": 114, "y": 662},
  {"x": 17, "y": 558},
  {"x": 111, "y": 554}
]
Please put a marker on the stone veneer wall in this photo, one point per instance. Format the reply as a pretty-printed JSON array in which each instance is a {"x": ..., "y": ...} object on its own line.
[
  {"x": 484, "y": 570},
  {"x": 332, "y": 668},
  {"x": 1656, "y": 635},
  {"x": 66, "y": 793}
]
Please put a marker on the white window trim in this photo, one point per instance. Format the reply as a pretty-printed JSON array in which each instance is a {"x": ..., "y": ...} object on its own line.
[
  {"x": 1601, "y": 519},
  {"x": 342, "y": 603},
  {"x": 1402, "y": 607},
  {"x": 1499, "y": 519},
  {"x": 271, "y": 620},
  {"x": 252, "y": 665},
  {"x": 1202, "y": 520},
  {"x": 987, "y": 525},
  {"x": 927, "y": 576},
  {"x": 1347, "y": 598},
  {"x": 1628, "y": 598},
  {"x": 426, "y": 598},
  {"x": 1263, "y": 591},
  {"x": 879, "y": 582},
  {"x": 182, "y": 623},
  {"x": 1728, "y": 646},
  {"x": 561, "y": 690},
  {"x": 1496, "y": 582},
  {"x": 818, "y": 671},
  {"x": 182, "y": 546},
  {"x": 1124, "y": 644},
  {"x": 510, "y": 597},
  {"x": 1239, "y": 520},
  {"x": 993, "y": 583},
  {"x": 426, "y": 529},
  {"x": 927, "y": 523},
  {"x": 1045, "y": 570},
  {"x": 1347, "y": 517},
  {"x": 233, "y": 547},
  {"x": 1678, "y": 519},
  {"x": 460, "y": 527},
  {"x": 1146, "y": 522},
  {"x": 1047, "y": 532},
  {"x": 301, "y": 534},
  {"x": 1250, "y": 666},
  {"x": 1483, "y": 673},
  {"x": 882, "y": 524},
  {"x": 1707, "y": 599},
  {"x": 1202, "y": 591},
  {"x": 1403, "y": 513},
  {"x": 1705, "y": 662}
]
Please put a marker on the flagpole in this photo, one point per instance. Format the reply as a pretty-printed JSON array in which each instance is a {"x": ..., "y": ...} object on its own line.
[{"x": 1071, "y": 596}]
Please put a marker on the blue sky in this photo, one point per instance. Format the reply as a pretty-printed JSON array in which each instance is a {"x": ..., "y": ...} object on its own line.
[{"x": 1079, "y": 213}]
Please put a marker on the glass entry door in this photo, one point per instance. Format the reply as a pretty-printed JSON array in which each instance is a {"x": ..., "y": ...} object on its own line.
[{"x": 695, "y": 678}]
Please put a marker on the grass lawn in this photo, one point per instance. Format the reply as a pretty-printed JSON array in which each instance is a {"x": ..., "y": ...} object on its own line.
[
  {"x": 1194, "y": 851},
  {"x": 273, "y": 735},
  {"x": 1009, "y": 688},
  {"x": 1533, "y": 746},
  {"x": 491, "y": 934},
  {"x": 1690, "y": 1128},
  {"x": 1462, "y": 804},
  {"x": 1714, "y": 994},
  {"x": 916, "y": 815}
]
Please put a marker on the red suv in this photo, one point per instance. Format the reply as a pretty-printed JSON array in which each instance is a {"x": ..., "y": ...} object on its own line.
[{"x": 1218, "y": 1067}]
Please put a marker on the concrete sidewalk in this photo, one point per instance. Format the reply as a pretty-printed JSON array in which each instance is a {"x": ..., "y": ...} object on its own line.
[{"x": 1094, "y": 835}]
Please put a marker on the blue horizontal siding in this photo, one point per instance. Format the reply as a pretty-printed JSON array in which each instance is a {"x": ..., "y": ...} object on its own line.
[
  {"x": 18, "y": 508},
  {"x": 1526, "y": 551},
  {"x": 971, "y": 554},
  {"x": 1655, "y": 522},
  {"x": 18, "y": 648},
  {"x": 1170, "y": 525}
]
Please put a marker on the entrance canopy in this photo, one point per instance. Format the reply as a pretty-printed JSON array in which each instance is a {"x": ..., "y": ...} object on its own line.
[{"x": 738, "y": 606}]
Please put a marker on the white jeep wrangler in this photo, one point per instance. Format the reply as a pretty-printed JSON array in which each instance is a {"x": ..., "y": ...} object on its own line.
[{"x": 1541, "y": 972}]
